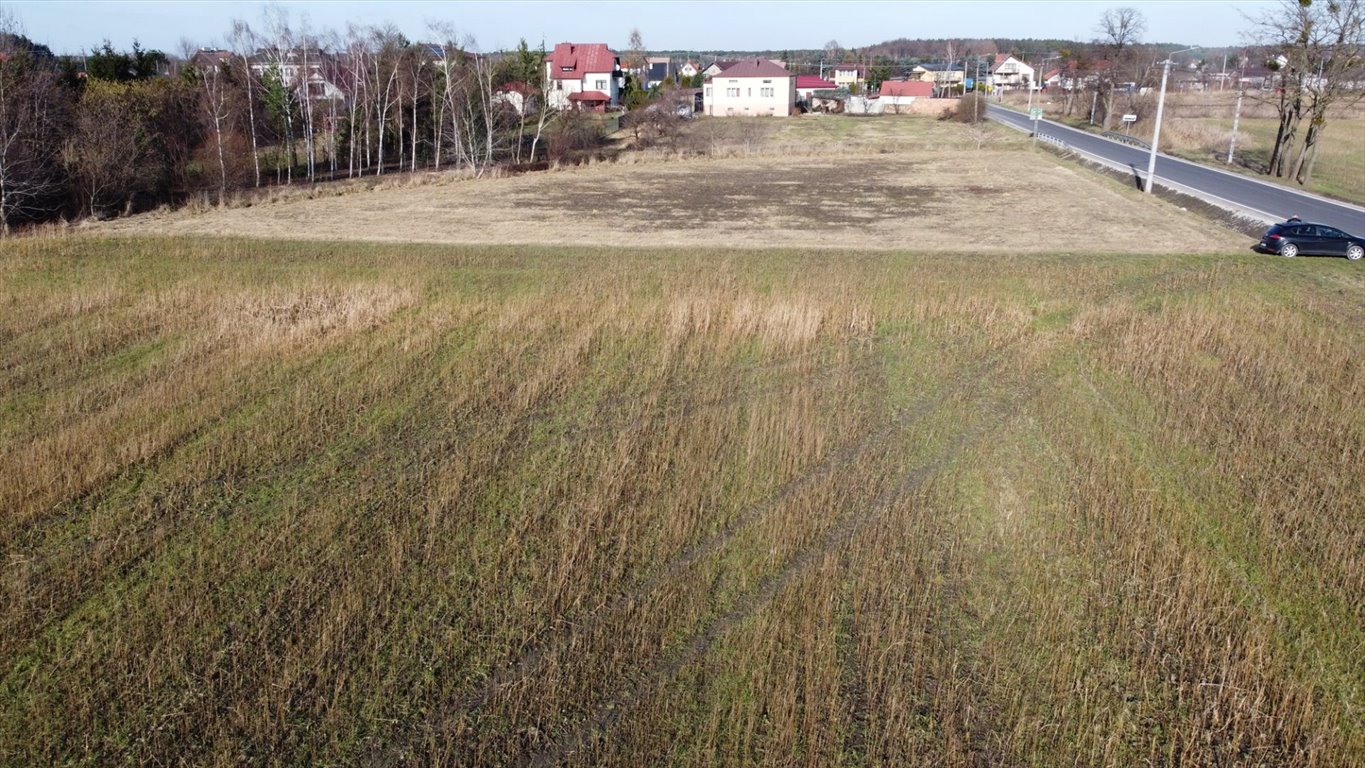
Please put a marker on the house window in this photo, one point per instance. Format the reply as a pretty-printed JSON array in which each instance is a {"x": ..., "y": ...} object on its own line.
[
  {"x": 601, "y": 85},
  {"x": 732, "y": 92},
  {"x": 765, "y": 92}
]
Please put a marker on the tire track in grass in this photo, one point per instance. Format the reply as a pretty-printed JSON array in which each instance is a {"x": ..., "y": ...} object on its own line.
[
  {"x": 606, "y": 716},
  {"x": 529, "y": 663}
]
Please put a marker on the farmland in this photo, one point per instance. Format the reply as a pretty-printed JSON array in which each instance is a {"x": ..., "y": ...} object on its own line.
[
  {"x": 656, "y": 497},
  {"x": 822, "y": 182}
]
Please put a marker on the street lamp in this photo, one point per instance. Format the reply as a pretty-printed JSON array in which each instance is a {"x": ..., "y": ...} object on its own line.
[{"x": 1160, "y": 104}]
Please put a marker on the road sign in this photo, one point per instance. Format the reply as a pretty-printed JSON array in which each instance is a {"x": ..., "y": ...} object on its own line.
[
  {"x": 1130, "y": 118},
  {"x": 1036, "y": 113}
]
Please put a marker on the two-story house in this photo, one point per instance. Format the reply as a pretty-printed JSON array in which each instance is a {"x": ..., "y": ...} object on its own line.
[
  {"x": 849, "y": 76},
  {"x": 1008, "y": 73},
  {"x": 583, "y": 75},
  {"x": 751, "y": 87}
]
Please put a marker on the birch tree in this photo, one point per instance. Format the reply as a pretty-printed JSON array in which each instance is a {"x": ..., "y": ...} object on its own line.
[{"x": 242, "y": 43}]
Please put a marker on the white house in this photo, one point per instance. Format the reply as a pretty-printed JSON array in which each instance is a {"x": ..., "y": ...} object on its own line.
[
  {"x": 846, "y": 75},
  {"x": 584, "y": 75},
  {"x": 688, "y": 69},
  {"x": 1008, "y": 72},
  {"x": 751, "y": 87},
  {"x": 291, "y": 65}
]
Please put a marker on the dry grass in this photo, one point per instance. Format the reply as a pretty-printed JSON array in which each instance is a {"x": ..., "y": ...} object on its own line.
[
  {"x": 819, "y": 181},
  {"x": 404, "y": 504}
]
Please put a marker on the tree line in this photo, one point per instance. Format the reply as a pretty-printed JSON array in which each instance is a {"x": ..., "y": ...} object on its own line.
[{"x": 109, "y": 132}]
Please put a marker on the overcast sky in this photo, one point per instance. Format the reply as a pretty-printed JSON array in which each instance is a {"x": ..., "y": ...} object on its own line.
[{"x": 69, "y": 26}]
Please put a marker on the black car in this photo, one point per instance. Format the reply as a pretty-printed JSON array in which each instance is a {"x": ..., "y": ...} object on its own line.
[{"x": 1300, "y": 237}]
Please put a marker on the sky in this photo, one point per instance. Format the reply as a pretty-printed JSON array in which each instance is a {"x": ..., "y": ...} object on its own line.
[{"x": 69, "y": 26}]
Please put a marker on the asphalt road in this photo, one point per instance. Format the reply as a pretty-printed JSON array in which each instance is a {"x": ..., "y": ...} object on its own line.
[{"x": 1275, "y": 202}]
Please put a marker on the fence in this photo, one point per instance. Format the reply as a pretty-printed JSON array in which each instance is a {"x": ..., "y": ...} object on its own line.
[{"x": 1126, "y": 139}]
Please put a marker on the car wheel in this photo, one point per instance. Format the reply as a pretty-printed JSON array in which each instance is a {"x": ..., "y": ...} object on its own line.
[
  {"x": 1289, "y": 250},
  {"x": 1355, "y": 253}
]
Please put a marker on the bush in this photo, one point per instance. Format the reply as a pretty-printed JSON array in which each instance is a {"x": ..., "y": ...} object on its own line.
[{"x": 970, "y": 109}]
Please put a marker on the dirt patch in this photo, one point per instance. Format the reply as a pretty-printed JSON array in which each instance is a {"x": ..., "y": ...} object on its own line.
[{"x": 930, "y": 195}]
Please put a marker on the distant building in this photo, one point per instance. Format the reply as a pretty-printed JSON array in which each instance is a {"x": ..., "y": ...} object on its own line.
[
  {"x": 751, "y": 87},
  {"x": 688, "y": 69},
  {"x": 296, "y": 63},
  {"x": 658, "y": 69},
  {"x": 718, "y": 66},
  {"x": 211, "y": 59},
  {"x": 583, "y": 75},
  {"x": 807, "y": 85},
  {"x": 902, "y": 93},
  {"x": 847, "y": 75},
  {"x": 1008, "y": 73}
]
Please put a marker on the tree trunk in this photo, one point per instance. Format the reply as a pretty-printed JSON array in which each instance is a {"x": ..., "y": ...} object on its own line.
[{"x": 251, "y": 119}]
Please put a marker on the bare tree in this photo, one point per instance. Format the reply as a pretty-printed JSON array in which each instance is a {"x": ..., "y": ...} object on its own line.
[
  {"x": 635, "y": 51},
  {"x": 444, "y": 86},
  {"x": 213, "y": 101},
  {"x": 31, "y": 111},
  {"x": 243, "y": 42},
  {"x": 1314, "y": 48},
  {"x": 106, "y": 142},
  {"x": 543, "y": 85},
  {"x": 1338, "y": 49},
  {"x": 386, "y": 63},
  {"x": 1120, "y": 31}
]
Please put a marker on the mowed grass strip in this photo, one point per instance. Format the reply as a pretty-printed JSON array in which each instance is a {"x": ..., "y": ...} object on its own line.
[{"x": 298, "y": 503}]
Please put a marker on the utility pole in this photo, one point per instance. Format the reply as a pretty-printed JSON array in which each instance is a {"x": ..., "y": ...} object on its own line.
[
  {"x": 1094, "y": 99},
  {"x": 1236, "y": 116},
  {"x": 1156, "y": 131},
  {"x": 1160, "y": 104}
]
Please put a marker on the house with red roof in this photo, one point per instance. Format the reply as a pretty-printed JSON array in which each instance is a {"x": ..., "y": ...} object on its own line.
[
  {"x": 751, "y": 87},
  {"x": 902, "y": 93},
  {"x": 584, "y": 76},
  {"x": 807, "y": 85}
]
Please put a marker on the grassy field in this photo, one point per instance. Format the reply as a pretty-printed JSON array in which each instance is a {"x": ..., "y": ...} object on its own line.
[
  {"x": 1198, "y": 126},
  {"x": 821, "y": 181},
  {"x": 330, "y": 503}
]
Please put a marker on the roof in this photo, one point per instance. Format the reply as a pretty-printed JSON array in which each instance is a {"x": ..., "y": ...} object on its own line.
[
  {"x": 724, "y": 64},
  {"x": 804, "y": 82},
  {"x": 570, "y": 61},
  {"x": 907, "y": 88},
  {"x": 516, "y": 86},
  {"x": 658, "y": 70},
  {"x": 756, "y": 68},
  {"x": 589, "y": 96},
  {"x": 1051, "y": 73}
]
